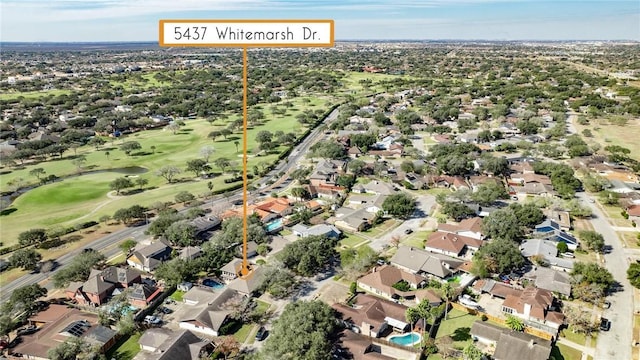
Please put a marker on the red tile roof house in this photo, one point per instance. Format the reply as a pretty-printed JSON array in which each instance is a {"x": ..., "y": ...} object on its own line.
[
  {"x": 372, "y": 316},
  {"x": 100, "y": 286},
  {"x": 381, "y": 280},
  {"x": 634, "y": 213},
  {"x": 533, "y": 305},
  {"x": 452, "y": 244}
]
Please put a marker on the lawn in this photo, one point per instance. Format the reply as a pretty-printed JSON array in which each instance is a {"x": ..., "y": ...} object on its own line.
[
  {"x": 630, "y": 238},
  {"x": 416, "y": 239},
  {"x": 606, "y": 134},
  {"x": 125, "y": 348},
  {"x": 263, "y": 306},
  {"x": 458, "y": 326},
  {"x": 577, "y": 338},
  {"x": 382, "y": 228},
  {"x": 242, "y": 333},
  {"x": 563, "y": 352},
  {"x": 177, "y": 295},
  {"x": 351, "y": 240},
  {"x": 89, "y": 201}
]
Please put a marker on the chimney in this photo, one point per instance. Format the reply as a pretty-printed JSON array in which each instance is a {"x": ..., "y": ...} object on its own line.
[{"x": 455, "y": 238}]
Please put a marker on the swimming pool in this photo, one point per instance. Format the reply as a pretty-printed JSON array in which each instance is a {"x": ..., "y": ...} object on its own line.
[
  {"x": 212, "y": 284},
  {"x": 273, "y": 226},
  {"x": 406, "y": 339}
]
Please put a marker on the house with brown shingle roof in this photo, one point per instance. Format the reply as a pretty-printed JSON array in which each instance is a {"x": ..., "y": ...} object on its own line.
[
  {"x": 511, "y": 344},
  {"x": 452, "y": 244},
  {"x": 533, "y": 305},
  {"x": 425, "y": 263},
  {"x": 100, "y": 285},
  {"x": 372, "y": 315},
  {"x": 471, "y": 227},
  {"x": 380, "y": 281}
]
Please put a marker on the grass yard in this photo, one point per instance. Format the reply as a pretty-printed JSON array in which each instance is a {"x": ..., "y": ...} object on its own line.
[
  {"x": 125, "y": 348},
  {"x": 577, "y": 338},
  {"x": 243, "y": 333},
  {"x": 177, "y": 295},
  {"x": 262, "y": 306},
  {"x": 416, "y": 239},
  {"x": 53, "y": 204},
  {"x": 563, "y": 352},
  {"x": 630, "y": 238},
  {"x": 351, "y": 240},
  {"x": 458, "y": 326},
  {"x": 119, "y": 259},
  {"x": 382, "y": 228}
]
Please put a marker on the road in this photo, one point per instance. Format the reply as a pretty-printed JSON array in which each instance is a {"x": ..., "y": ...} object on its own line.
[
  {"x": 108, "y": 244},
  {"x": 424, "y": 203},
  {"x": 616, "y": 343}
]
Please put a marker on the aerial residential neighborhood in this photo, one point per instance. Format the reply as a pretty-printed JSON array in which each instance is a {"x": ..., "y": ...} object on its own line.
[{"x": 373, "y": 199}]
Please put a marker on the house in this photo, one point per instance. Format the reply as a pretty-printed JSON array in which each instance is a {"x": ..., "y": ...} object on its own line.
[
  {"x": 354, "y": 152},
  {"x": 165, "y": 344},
  {"x": 190, "y": 252},
  {"x": 252, "y": 249},
  {"x": 372, "y": 204},
  {"x": 381, "y": 281},
  {"x": 561, "y": 217},
  {"x": 199, "y": 295},
  {"x": 353, "y": 220},
  {"x": 452, "y": 244},
  {"x": 149, "y": 257},
  {"x": 231, "y": 270},
  {"x": 249, "y": 284},
  {"x": 547, "y": 250},
  {"x": 378, "y": 188},
  {"x": 494, "y": 288},
  {"x": 330, "y": 231},
  {"x": 208, "y": 318},
  {"x": 141, "y": 295},
  {"x": 620, "y": 187},
  {"x": 476, "y": 180},
  {"x": 425, "y": 263},
  {"x": 327, "y": 172},
  {"x": 551, "y": 230},
  {"x": 362, "y": 347},
  {"x": 100, "y": 285},
  {"x": 634, "y": 213},
  {"x": 551, "y": 280},
  {"x": 372, "y": 316},
  {"x": 205, "y": 223},
  {"x": 471, "y": 227},
  {"x": 59, "y": 323},
  {"x": 533, "y": 305},
  {"x": 510, "y": 344}
]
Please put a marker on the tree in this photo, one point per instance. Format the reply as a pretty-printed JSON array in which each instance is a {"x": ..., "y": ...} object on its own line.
[
  {"x": 633, "y": 274},
  {"x": 181, "y": 233},
  {"x": 308, "y": 255},
  {"x": 24, "y": 298},
  {"x": 130, "y": 146},
  {"x": 445, "y": 346},
  {"x": 214, "y": 134},
  {"x": 141, "y": 182},
  {"x": 197, "y": 166},
  {"x": 399, "y": 205},
  {"x": 79, "y": 162},
  {"x": 25, "y": 258},
  {"x": 225, "y": 133},
  {"x": 495, "y": 165},
  {"x": 32, "y": 236},
  {"x": 222, "y": 163},
  {"x": 562, "y": 247},
  {"x": 119, "y": 184},
  {"x": 236, "y": 143},
  {"x": 184, "y": 197},
  {"x": 502, "y": 224},
  {"x": 264, "y": 136},
  {"x": 106, "y": 153},
  {"x": 206, "y": 152},
  {"x": 457, "y": 211},
  {"x": 579, "y": 319},
  {"x": 489, "y": 192},
  {"x": 37, "y": 172},
  {"x": 514, "y": 323},
  {"x": 153, "y": 149},
  {"x": 168, "y": 172},
  {"x": 173, "y": 127},
  {"x": 309, "y": 339},
  {"x": 528, "y": 215},
  {"x": 448, "y": 293},
  {"x": 71, "y": 349},
  {"x": 498, "y": 256},
  {"x": 471, "y": 352},
  {"x": 593, "y": 240},
  {"x": 357, "y": 166},
  {"x": 127, "y": 245},
  {"x": 79, "y": 268},
  {"x": 590, "y": 281},
  {"x": 423, "y": 311},
  {"x": 300, "y": 193},
  {"x": 227, "y": 346},
  {"x": 278, "y": 281}
]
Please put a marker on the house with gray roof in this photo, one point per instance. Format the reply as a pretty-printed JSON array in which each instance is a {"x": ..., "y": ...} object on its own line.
[
  {"x": 208, "y": 318},
  {"x": 552, "y": 230},
  {"x": 550, "y": 279},
  {"x": 548, "y": 250},
  {"x": 165, "y": 344},
  {"x": 302, "y": 230},
  {"x": 511, "y": 344},
  {"x": 425, "y": 263},
  {"x": 149, "y": 257},
  {"x": 353, "y": 219}
]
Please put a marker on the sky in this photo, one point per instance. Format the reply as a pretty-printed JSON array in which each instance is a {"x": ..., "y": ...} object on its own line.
[{"x": 137, "y": 20}]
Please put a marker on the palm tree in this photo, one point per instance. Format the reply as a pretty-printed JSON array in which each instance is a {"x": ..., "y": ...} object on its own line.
[
  {"x": 236, "y": 143},
  {"x": 106, "y": 153},
  {"x": 514, "y": 323},
  {"x": 449, "y": 293}
]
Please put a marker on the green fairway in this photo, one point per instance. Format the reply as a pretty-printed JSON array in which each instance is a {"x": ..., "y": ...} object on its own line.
[
  {"x": 84, "y": 197},
  {"x": 32, "y": 94}
]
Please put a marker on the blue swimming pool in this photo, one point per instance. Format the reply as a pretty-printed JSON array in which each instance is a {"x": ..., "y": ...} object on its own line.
[
  {"x": 212, "y": 284},
  {"x": 275, "y": 225},
  {"x": 406, "y": 339}
]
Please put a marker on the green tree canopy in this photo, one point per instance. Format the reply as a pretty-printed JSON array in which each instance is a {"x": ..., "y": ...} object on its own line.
[{"x": 399, "y": 205}]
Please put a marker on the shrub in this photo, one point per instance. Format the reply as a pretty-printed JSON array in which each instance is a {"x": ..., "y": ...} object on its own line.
[{"x": 484, "y": 317}]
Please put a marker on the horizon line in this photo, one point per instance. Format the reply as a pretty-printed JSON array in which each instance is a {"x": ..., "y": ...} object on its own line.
[{"x": 337, "y": 40}]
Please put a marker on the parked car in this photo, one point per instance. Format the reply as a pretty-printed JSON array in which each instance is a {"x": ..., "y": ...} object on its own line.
[
  {"x": 568, "y": 255},
  {"x": 605, "y": 324},
  {"x": 165, "y": 310},
  {"x": 408, "y": 231},
  {"x": 606, "y": 304},
  {"x": 30, "y": 329},
  {"x": 261, "y": 334},
  {"x": 149, "y": 319}
]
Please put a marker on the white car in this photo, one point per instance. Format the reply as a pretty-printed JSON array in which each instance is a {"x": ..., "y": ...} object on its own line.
[{"x": 149, "y": 319}]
